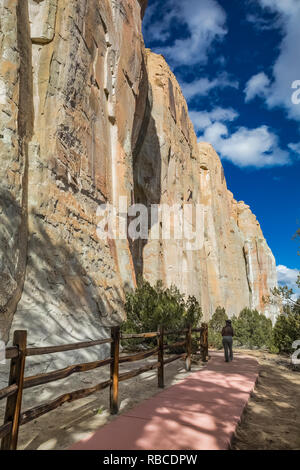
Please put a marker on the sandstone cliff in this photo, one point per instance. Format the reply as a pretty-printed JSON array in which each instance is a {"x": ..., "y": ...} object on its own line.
[
  {"x": 241, "y": 267},
  {"x": 70, "y": 78},
  {"x": 87, "y": 115},
  {"x": 235, "y": 267}
]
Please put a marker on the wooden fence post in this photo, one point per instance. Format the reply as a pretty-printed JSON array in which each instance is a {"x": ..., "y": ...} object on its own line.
[
  {"x": 160, "y": 370},
  {"x": 204, "y": 342},
  {"x": 188, "y": 361},
  {"x": 114, "y": 370},
  {"x": 14, "y": 402}
]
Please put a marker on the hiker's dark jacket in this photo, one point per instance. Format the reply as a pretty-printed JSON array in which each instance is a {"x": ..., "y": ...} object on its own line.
[{"x": 227, "y": 331}]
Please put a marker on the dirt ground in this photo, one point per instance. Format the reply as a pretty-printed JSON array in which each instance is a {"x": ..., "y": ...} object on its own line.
[{"x": 271, "y": 420}]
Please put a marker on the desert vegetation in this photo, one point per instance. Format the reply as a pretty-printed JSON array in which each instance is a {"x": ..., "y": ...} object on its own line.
[
  {"x": 253, "y": 330},
  {"x": 149, "y": 307}
]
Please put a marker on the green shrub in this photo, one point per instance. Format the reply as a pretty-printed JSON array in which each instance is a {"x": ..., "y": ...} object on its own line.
[
  {"x": 214, "y": 339},
  {"x": 218, "y": 319},
  {"x": 215, "y": 326},
  {"x": 193, "y": 313},
  {"x": 287, "y": 329},
  {"x": 252, "y": 329},
  {"x": 148, "y": 306}
]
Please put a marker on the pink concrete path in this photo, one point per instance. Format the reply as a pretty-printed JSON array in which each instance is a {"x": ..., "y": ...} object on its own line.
[{"x": 199, "y": 413}]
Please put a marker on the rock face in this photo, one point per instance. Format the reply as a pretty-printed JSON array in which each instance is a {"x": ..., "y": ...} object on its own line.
[
  {"x": 241, "y": 269},
  {"x": 233, "y": 267},
  {"x": 70, "y": 79},
  {"x": 167, "y": 172},
  {"x": 88, "y": 115}
]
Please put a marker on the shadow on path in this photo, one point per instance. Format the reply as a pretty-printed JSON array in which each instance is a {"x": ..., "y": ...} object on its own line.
[{"x": 201, "y": 412}]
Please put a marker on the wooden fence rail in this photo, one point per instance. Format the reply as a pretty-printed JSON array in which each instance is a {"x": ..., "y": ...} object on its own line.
[{"x": 17, "y": 354}]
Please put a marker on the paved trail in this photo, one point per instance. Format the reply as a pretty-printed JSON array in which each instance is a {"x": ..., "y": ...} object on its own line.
[{"x": 201, "y": 412}]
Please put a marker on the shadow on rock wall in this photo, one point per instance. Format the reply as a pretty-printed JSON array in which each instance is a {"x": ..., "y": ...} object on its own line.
[
  {"x": 146, "y": 164},
  {"x": 61, "y": 301}
]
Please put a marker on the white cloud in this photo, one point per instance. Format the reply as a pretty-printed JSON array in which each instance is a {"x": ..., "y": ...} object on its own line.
[
  {"x": 205, "y": 21},
  {"x": 246, "y": 147},
  {"x": 287, "y": 66},
  {"x": 204, "y": 119},
  {"x": 158, "y": 30},
  {"x": 288, "y": 277},
  {"x": 295, "y": 148},
  {"x": 203, "y": 86},
  {"x": 289, "y": 7},
  {"x": 260, "y": 23},
  {"x": 257, "y": 86}
]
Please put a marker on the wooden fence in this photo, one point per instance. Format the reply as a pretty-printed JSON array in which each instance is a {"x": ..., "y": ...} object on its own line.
[{"x": 14, "y": 417}]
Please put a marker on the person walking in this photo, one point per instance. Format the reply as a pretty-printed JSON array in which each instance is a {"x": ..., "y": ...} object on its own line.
[{"x": 227, "y": 333}]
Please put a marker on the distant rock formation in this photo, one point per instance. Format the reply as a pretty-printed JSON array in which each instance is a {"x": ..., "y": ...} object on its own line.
[{"x": 88, "y": 115}]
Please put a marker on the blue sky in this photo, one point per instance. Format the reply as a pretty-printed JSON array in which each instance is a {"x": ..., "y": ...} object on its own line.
[{"x": 236, "y": 61}]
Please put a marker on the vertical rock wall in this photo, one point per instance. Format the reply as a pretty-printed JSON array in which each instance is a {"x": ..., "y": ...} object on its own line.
[
  {"x": 234, "y": 267},
  {"x": 16, "y": 128},
  {"x": 70, "y": 79},
  {"x": 241, "y": 267},
  {"x": 167, "y": 172},
  {"x": 87, "y": 116}
]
